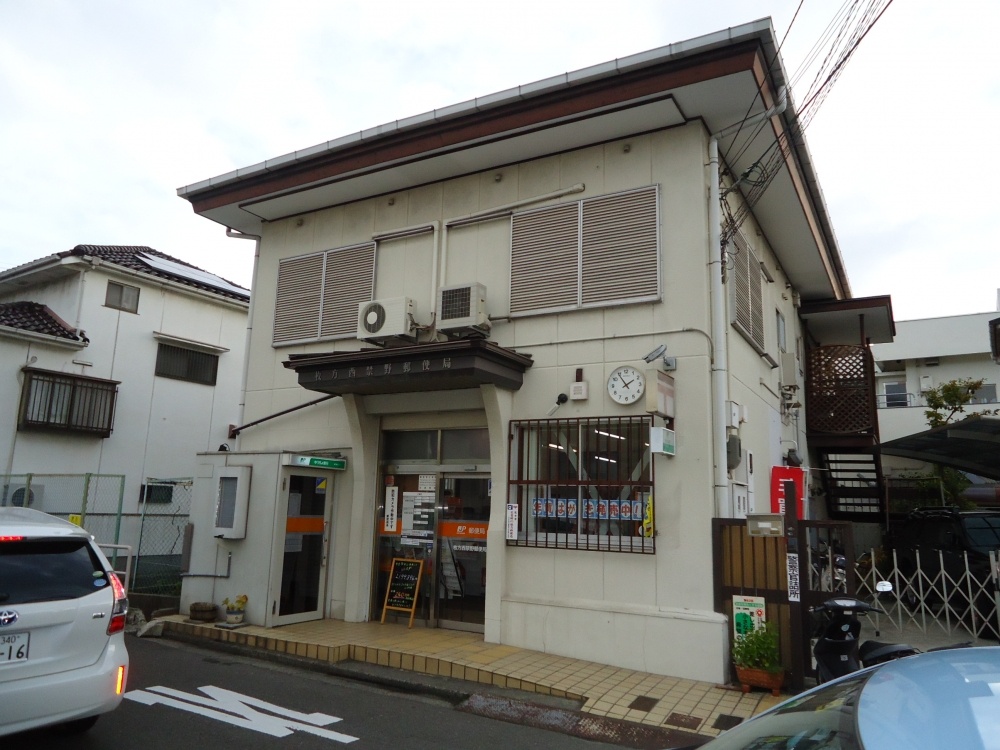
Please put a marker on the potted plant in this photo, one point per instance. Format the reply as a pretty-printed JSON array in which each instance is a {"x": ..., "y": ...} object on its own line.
[
  {"x": 758, "y": 660},
  {"x": 235, "y": 608}
]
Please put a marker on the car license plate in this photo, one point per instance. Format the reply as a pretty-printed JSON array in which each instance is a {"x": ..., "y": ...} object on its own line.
[{"x": 13, "y": 647}]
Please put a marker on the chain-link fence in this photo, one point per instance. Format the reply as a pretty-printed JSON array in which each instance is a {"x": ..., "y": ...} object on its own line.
[
  {"x": 164, "y": 511},
  {"x": 155, "y": 533}
]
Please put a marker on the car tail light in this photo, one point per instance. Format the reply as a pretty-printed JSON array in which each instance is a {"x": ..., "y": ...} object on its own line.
[
  {"x": 120, "y": 610},
  {"x": 120, "y": 681},
  {"x": 11, "y": 538}
]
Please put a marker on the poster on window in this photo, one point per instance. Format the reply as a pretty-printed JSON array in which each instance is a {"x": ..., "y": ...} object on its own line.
[{"x": 391, "y": 498}]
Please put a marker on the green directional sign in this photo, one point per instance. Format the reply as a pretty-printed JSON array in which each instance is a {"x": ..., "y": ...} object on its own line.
[{"x": 315, "y": 462}]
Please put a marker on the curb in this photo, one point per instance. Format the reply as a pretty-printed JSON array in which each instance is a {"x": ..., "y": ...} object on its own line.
[{"x": 503, "y": 704}]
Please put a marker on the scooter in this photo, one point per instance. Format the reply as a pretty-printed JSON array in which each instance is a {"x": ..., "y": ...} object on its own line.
[{"x": 837, "y": 651}]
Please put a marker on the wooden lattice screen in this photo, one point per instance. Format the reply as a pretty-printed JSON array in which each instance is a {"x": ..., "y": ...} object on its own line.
[{"x": 839, "y": 388}]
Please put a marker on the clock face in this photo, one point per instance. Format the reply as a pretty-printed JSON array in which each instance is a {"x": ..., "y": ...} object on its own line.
[{"x": 626, "y": 385}]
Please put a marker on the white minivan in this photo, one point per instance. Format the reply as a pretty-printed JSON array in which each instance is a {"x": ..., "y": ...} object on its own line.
[{"x": 62, "y": 625}]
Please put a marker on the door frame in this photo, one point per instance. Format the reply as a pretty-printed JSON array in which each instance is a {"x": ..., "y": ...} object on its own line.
[
  {"x": 272, "y": 617},
  {"x": 441, "y": 471}
]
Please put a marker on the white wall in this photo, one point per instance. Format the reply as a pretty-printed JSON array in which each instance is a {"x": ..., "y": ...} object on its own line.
[{"x": 649, "y": 612}]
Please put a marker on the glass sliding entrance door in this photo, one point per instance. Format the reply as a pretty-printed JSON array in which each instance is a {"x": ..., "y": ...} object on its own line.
[
  {"x": 461, "y": 552},
  {"x": 304, "y": 552}
]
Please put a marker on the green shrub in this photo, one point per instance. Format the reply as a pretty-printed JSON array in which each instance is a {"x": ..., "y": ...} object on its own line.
[{"x": 758, "y": 649}]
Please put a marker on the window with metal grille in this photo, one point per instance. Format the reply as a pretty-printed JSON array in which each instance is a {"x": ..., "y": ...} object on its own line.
[
  {"x": 56, "y": 401},
  {"x": 590, "y": 253},
  {"x": 583, "y": 484},
  {"x": 186, "y": 364},
  {"x": 318, "y": 295},
  {"x": 122, "y": 297},
  {"x": 746, "y": 293}
]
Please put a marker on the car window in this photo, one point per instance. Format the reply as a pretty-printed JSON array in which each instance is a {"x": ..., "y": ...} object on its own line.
[
  {"x": 820, "y": 720},
  {"x": 984, "y": 532},
  {"x": 48, "y": 569}
]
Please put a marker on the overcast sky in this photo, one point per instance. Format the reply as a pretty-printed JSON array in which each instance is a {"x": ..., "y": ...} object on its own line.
[{"x": 107, "y": 107}]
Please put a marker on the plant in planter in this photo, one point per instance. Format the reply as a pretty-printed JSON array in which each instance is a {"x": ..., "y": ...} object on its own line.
[
  {"x": 235, "y": 608},
  {"x": 758, "y": 660}
]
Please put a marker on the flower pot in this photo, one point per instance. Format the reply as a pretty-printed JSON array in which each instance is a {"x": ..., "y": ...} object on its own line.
[
  {"x": 234, "y": 616},
  {"x": 760, "y": 678}
]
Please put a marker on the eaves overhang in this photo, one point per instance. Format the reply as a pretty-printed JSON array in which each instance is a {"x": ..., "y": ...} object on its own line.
[
  {"x": 716, "y": 80},
  {"x": 435, "y": 366},
  {"x": 971, "y": 445},
  {"x": 857, "y": 321}
]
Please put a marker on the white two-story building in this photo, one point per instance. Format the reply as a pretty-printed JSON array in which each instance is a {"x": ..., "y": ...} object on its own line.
[
  {"x": 533, "y": 343},
  {"x": 120, "y": 362}
]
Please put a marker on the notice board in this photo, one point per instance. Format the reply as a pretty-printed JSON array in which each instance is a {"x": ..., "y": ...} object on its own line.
[{"x": 404, "y": 584}]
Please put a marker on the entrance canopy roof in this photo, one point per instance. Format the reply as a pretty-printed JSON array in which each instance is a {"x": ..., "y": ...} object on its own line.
[
  {"x": 437, "y": 366},
  {"x": 971, "y": 445}
]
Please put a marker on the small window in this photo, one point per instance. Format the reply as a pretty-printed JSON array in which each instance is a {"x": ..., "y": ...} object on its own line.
[
  {"x": 122, "y": 297},
  {"x": 895, "y": 394},
  {"x": 186, "y": 364},
  {"x": 985, "y": 395},
  {"x": 157, "y": 493},
  {"x": 782, "y": 335}
]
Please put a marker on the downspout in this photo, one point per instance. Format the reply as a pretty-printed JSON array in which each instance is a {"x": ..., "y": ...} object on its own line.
[
  {"x": 246, "y": 347},
  {"x": 716, "y": 267}
]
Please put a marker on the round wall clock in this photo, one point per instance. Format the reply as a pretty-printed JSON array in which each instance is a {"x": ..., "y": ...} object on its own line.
[{"x": 626, "y": 385}]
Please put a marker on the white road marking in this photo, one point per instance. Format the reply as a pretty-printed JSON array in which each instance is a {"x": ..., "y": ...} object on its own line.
[{"x": 237, "y": 710}]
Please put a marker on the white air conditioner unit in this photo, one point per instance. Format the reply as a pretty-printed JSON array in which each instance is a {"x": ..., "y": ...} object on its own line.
[
  {"x": 462, "y": 306},
  {"x": 384, "y": 318},
  {"x": 789, "y": 374},
  {"x": 23, "y": 496}
]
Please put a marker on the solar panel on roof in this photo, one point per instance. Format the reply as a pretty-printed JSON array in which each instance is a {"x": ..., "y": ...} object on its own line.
[{"x": 191, "y": 274}]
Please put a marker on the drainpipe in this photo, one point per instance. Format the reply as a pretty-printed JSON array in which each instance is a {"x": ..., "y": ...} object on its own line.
[
  {"x": 720, "y": 363},
  {"x": 246, "y": 349}
]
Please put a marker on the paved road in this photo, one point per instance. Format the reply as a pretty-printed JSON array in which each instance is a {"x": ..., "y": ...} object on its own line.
[{"x": 181, "y": 696}]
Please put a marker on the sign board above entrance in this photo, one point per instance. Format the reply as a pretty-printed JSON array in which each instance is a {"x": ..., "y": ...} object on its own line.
[{"x": 316, "y": 462}]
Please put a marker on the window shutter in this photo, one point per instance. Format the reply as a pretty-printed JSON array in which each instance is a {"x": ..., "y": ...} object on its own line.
[
  {"x": 620, "y": 250},
  {"x": 297, "y": 303},
  {"x": 545, "y": 257},
  {"x": 747, "y": 293},
  {"x": 350, "y": 272}
]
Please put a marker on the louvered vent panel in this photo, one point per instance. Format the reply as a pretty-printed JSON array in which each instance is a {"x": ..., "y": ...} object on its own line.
[
  {"x": 349, "y": 274},
  {"x": 756, "y": 300},
  {"x": 740, "y": 279},
  {"x": 296, "y": 308},
  {"x": 619, "y": 247},
  {"x": 544, "y": 259}
]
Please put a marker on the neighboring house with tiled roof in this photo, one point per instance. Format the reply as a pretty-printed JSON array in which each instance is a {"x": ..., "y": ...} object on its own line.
[{"x": 115, "y": 360}]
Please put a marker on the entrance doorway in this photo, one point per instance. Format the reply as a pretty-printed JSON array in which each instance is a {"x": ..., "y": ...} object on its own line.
[
  {"x": 442, "y": 519},
  {"x": 304, "y": 517}
]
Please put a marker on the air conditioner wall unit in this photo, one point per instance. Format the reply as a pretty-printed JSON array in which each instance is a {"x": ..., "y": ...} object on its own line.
[
  {"x": 384, "y": 318},
  {"x": 23, "y": 496},
  {"x": 462, "y": 306}
]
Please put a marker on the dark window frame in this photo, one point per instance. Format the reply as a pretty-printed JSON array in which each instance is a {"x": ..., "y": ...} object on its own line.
[
  {"x": 190, "y": 365},
  {"x": 58, "y": 401}
]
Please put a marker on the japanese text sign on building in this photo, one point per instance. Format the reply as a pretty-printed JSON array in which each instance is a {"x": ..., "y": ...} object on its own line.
[{"x": 780, "y": 475}]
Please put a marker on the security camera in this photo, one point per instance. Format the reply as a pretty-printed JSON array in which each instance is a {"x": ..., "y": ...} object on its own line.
[{"x": 656, "y": 353}]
